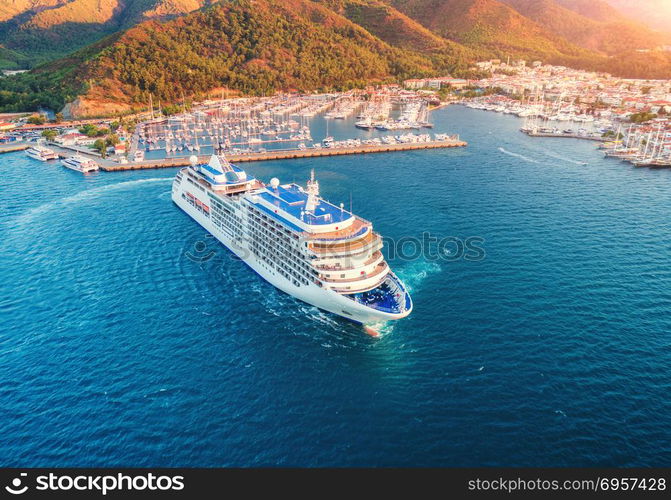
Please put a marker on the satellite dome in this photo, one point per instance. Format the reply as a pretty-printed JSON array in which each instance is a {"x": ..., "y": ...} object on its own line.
[
  {"x": 274, "y": 182},
  {"x": 193, "y": 160}
]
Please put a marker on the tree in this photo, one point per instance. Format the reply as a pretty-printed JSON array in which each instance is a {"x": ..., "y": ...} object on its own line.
[
  {"x": 37, "y": 120},
  {"x": 112, "y": 140},
  {"x": 642, "y": 117},
  {"x": 101, "y": 146},
  {"x": 171, "y": 109},
  {"x": 89, "y": 130},
  {"x": 58, "y": 118},
  {"x": 610, "y": 134},
  {"x": 49, "y": 134}
]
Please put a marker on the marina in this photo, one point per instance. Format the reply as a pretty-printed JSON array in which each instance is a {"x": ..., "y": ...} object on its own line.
[{"x": 280, "y": 127}]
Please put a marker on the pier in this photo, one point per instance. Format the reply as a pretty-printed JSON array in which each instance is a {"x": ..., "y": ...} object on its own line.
[
  {"x": 284, "y": 155},
  {"x": 569, "y": 136},
  {"x": 109, "y": 165}
]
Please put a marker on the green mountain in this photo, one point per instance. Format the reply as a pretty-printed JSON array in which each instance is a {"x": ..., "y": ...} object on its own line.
[
  {"x": 36, "y": 31},
  {"x": 254, "y": 46},
  {"x": 612, "y": 36},
  {"x": 492, "y": 27},
  {"x": 171, "y": 48}
]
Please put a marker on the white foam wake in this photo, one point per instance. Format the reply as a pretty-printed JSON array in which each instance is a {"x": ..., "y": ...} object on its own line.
[
  {"x": 517, "y": 155},
  {"x": 88, "y": 194},
  {"x": 415, "y": 273},
  {"x": 568, "y": 160},
  {"x": 413, "y": 276}
]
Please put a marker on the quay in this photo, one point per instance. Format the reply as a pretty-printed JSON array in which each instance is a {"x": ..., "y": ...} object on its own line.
[
  {"x": 284, "y": 155},
  {"x": 569, "y": 136},
  {"x": 10, "y": 148}
]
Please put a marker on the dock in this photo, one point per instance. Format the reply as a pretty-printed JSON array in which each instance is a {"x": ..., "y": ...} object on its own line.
[
  {"x": 284, "y": 155},
  {"x": 110, "y": 165},
  {"x": 569, "y": 136},
  {"x": 11, "y": 148}
]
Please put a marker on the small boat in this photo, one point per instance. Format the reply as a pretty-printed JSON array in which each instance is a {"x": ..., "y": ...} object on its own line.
[
  {"x": 365, "y": 124},
  {"x": 41, "y": 153},
  {"x": 80, "y": 163}
]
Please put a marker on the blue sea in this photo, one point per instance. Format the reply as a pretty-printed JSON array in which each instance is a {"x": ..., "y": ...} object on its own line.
[{"x": 130, "y": 338}]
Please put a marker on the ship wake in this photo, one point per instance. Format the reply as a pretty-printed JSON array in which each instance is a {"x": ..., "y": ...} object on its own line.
[
  {"x": 70, "y": 201},
  {"x": 567, "y": 160},
  {"x": 517, "y": 155}
]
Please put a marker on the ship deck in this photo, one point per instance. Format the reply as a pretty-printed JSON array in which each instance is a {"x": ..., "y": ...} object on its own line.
[{"x": 292, "y": 200}]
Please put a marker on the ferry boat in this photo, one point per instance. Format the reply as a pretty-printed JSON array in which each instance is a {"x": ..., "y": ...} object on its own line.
[
  {"x": 80, "y": 164},
  {"x": 41, "y": 153},
  {"x": 305, "y": 246}
]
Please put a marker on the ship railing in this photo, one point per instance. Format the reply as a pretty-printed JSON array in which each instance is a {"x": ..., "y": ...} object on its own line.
[
  {"x": 342, "y": 234},
  {"x": 355, "y": 246},
  {"x": 379, "y": 269},
  {"x": 382, "y": 302},
  {"x": 376, "y": 256},
  {"x": 397, "y": 290}
]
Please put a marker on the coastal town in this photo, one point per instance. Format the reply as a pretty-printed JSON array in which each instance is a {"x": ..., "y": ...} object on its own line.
[{"x": 629, "y": 118}]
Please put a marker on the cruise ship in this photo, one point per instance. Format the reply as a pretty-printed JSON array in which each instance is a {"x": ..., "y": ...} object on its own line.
[
  {"x": 305, "y": 246},
  {"x": 41, "y": 153},
  {"x": 80, "y": 164}
]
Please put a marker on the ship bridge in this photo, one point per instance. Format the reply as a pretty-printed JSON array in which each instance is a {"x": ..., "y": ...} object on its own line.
[
  {"x": 305, "y": 210},
  {"x": 222, "y": 176}
]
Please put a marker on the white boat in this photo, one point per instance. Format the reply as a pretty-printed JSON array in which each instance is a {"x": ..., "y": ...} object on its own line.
[
  {"x": 365, "y": 124},
  {"x": 303, "y": 245},
  {"x": 41, "y": 153},
  {"x": 139, "y": 155},
  {"x": 80, "y": 164}
]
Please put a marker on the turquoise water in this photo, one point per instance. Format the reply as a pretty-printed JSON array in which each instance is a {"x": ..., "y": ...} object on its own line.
[{"x": 116, "y": 349}]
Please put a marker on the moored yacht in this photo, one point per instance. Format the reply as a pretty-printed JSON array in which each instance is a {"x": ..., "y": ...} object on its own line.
[
  {"x": 80, "y": 164},
  {"x": 41, "y": 153}
]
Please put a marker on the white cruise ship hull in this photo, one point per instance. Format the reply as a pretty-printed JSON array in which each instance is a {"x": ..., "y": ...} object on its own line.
[{"x": 312, "y": 294}]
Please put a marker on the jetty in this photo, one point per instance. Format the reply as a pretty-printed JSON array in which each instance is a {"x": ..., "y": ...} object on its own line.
[
  {"x": 531, "y": 133},
  {"x": 290, "y": 154}
]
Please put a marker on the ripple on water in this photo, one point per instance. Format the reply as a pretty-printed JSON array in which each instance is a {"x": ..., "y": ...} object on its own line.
[{"x": 537, "y": 355}]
